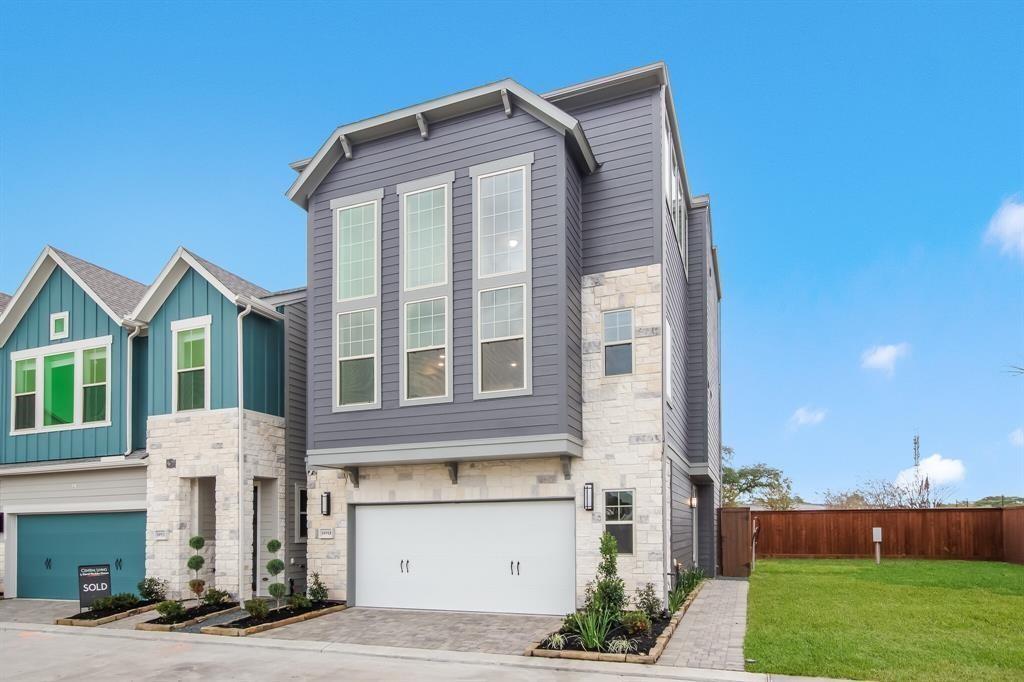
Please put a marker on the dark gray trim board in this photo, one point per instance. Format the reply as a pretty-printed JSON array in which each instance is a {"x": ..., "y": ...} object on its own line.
[{"x": 465, "y": 450}]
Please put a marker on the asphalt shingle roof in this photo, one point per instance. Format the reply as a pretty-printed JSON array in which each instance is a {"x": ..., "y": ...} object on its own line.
[
  {"x": 4, "y": 300},
  {"x": 237, "y": 284},
  {"x": 120, "y": 293}
]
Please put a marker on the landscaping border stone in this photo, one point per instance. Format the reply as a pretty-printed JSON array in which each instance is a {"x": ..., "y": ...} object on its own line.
[
  {"x": 79, "y": 622},
  {"x": 158, "y": 627},
  {"x": 244, "y": 632},
  {"x": 650, "y": 657}
]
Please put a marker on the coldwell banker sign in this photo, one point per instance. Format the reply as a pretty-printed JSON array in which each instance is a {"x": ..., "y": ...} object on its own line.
[{"x": 93, "y": 583}]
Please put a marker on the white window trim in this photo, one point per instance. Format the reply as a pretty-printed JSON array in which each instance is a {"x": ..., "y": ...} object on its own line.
[
  {"x": 446, "y": 347},
  {"x": 668, "y": 362},
  {"x": 205, "y": 323},
  {"x": 297, "y": 528},
  {"x": 430, "y": 292},
  {"x": 353, "y": 305},
  {"x": 631, "y": 341},
  {"x": 631, "y": 524},
  {"x": 478, "y": 388},
  {"x": 338, "y": 359},
  {"x": 57, "y": 336},
  {"x": 523, "y": 278},
  {"x": 672, "y": 180},
  {"x": 76, "y": 347}
]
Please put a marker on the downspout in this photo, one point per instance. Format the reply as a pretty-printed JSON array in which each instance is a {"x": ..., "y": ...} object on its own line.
[
  {"x": 241, "y": 456},
  {"x": 130, "y": 389}
]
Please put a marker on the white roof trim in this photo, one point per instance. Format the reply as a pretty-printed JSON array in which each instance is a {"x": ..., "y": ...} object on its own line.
[
  {"x": 33, "y": 283},
  {"x": 172, "y": 273},
  {"x": 313, "y": 170}
]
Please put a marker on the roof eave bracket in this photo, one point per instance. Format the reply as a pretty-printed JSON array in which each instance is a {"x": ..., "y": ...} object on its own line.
[
  {"x": 506, "y": 101},
  {"x": 346, "y": 146},
  {"x": 421, "y": 121}
]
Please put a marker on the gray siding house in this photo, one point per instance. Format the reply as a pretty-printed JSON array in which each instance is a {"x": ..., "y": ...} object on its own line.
[{"x": 512, "y": 348}]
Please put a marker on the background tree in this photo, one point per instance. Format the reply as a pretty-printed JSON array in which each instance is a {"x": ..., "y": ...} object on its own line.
[{"x": 754, "y": 483}]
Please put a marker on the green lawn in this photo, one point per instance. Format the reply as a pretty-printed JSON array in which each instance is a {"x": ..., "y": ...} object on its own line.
[{"x": 903, "y": 620}]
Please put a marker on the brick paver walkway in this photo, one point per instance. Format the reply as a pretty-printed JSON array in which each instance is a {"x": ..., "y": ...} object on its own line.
[{"x": 711, "y": 633}]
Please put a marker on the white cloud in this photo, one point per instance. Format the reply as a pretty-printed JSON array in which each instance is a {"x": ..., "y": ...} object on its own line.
[
  {"x": 938, "y": 469},
  {"x": 884, "y": 358},
  {"x": 1006, "y": 228},
  {"x": 807, "y": 416},
  {"x": 1017, "y": 438}
]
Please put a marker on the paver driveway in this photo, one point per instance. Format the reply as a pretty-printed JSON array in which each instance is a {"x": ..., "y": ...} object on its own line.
[
  {"x": 476, "y": 632},
  {"x": 35, "y": 610}
]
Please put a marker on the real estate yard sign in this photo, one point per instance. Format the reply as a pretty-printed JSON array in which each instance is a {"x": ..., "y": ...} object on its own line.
[{"x": 93, "y": 583}]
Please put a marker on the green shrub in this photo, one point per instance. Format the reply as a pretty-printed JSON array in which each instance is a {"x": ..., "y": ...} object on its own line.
[
  {"x": 197, "y": 542},
  {"x": 274, "y": 567},
  {"x": 257, "y": 608},
  {"x": 197, "y": 585},
  {"x": 608, "y": 591},
  {"x": 273, "y": 546},
  {"x": 636, "y": 622},
  {"x": 316, "y": 590},
  {"x": 170, "y": 609},
  {"x": 592, "y": 627},
  {"x": 103, "y": 604},
  {"x": 299, "y": 601},
  {"x": 125, "y": 600},
  {"x": 214, "y": 597},
  {"x": 195, "y": 562},
  {"x": 686, "y": 582},
  {"x": 152, "y": 589},
  {"x": 647, "y": 601},
  {"x": 675, "y": 599}
]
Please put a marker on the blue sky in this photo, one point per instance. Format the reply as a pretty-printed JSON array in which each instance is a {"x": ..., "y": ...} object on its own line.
[{"x": 856, "y": 155}]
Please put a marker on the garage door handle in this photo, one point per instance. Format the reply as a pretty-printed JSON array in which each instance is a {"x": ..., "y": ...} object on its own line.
[
  {"x": 517, "y": 568},
  {"x": 48, "y": 563},
  {"x": 406, "y": 565},
  {"x": 510, "y": 565},
  {"x": 401, "y": 565}
]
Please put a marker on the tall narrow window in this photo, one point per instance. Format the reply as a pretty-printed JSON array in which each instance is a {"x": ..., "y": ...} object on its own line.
[
  {"x": 59, "y": 389},
  {"x": 94, "y": 385},
  {"x": 357, "y": 251},
  {"x": 190, "y": 370},
  {"x": 618, "y": 342},
  {"x": 618, "y": 518},
  {"x": 426, "y": 236},
  {"x": 25, "y": 394},
  {"x": 357, "y": 357},
  {"x": 502, "y": 336},
  {"x": 302, "y": 515},
  {"x": 426, "y": 357},
  {"x": 502, "y": 212}
]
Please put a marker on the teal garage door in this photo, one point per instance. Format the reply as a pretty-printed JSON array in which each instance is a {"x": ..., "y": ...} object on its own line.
[{"x": 51, "y": 547}]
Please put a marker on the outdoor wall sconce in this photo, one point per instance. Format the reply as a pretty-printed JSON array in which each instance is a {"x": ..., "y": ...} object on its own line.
[
  {"x": 693, "y": 502},
  {"x": 588, "y": 496},
  {"x": 325, "y": 504}
]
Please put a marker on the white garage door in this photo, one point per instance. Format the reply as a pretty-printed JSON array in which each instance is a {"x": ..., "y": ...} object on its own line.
[{"x": 512, "y": 557}]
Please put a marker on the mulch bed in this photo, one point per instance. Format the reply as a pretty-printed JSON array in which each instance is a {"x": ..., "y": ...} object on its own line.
[
  {"x": 96, "y": 615},
  {"x": 194, "y": 612},
  {"x": 276, "y": 615},
  {"x": 644, "y": 643}
]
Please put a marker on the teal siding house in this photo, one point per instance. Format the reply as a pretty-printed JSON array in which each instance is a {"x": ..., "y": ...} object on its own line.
[{"x": 92, "y": 364}]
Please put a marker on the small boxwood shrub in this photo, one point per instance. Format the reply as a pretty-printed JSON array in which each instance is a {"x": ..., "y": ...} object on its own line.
[
  {"x": 647, "y": 601},
  {"x": 170, "y": 609},
  {"x": 316, "y": 591},
  {"x": 257, "y": 608},
  {"x": 152, "y": 589},
  {"x": 636, "y": 622},
  {"x": 213, "y": 596},
  {"x": 299, "y": 601}
]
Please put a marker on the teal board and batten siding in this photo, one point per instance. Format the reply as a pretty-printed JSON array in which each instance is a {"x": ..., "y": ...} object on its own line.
[
  {"x": 86, "y": 321},
  {"x": 194, "y": 296}
]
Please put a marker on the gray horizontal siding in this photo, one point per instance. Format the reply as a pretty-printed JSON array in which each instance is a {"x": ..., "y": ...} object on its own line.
[
  {"x": 714, "y": 391},
  {"x": 682, "y": 515},
  {"x": 453, "y": 145},
  {"x": 123, "y": 484},
  {"x": 696, "y": 339},
  {"x": 620, "y": 221},
  {"x": 675, "y": 311},
  {"x": 295, "y": 435},
  {"x": 574, "y": 297}
]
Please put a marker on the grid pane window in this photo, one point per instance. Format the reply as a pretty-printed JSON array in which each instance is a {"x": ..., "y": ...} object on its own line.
[
  {"x": 357, "y": 251},
  {"x": 618, "y": 517},
  {"x": 59, "y": 389},
  {"x": 502, "y": 223},
  {"x": 356, "y": 357},
  {"x": 426, "y": 356},
  {"x": 25, "y": 394},
  {"x": 190, "y": 369},
  {"x": 502, "y": 346},
  {"x": 94, "y": 385},
  {"x": 501, "y": 313},
  {"x": 425, "y": 324},
  {"x": 618, "y": 342},
  {"x": 425, "y": 237},
  {"x": 303, "y": 514}
]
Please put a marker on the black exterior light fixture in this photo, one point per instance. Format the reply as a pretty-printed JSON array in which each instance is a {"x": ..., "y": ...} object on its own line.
[
  {"x": 325, "y": 504},
  {"x": 588, "y": 496}
]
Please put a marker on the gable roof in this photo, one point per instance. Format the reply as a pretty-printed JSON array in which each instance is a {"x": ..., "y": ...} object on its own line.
[
  {"x": 115, "y": 294},
  {"x": 4, "y": 300},
  {"x": 236, "y": 289},
  {"x": 502, "y": 93}
]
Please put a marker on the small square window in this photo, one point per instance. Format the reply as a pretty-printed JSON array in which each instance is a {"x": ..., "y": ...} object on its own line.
[
  {"x": 618, "y": 342},
  {"x": 58, "y": 326}
]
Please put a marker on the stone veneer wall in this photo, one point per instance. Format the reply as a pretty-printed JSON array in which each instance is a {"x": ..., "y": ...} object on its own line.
[
  {"x": 622, "y": 449},
  {"x": 205, "y": 444}
]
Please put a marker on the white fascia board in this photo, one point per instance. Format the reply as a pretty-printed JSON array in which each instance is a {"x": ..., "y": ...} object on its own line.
[
  {"x": 168, "y": 278},
  {"x": 330, "y": 152},
  {"x": 33, "y": 283},
  {"x": 91, "y": 465}
]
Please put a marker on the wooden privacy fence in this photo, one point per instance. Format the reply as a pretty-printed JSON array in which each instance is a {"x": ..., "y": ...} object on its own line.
[{"x": 985, "y": 534}]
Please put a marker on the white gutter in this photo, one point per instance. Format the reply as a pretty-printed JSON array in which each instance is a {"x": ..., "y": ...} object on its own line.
[
  {"x": 128, "y": 391},
  {"x": 241, "y": 456}
]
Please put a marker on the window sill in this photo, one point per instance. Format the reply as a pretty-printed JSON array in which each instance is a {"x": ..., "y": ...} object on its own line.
[
  {"x": 58, "y": 429},
  {"x": 361, "y": 407},
  {"x": 510, "y": 393}
]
